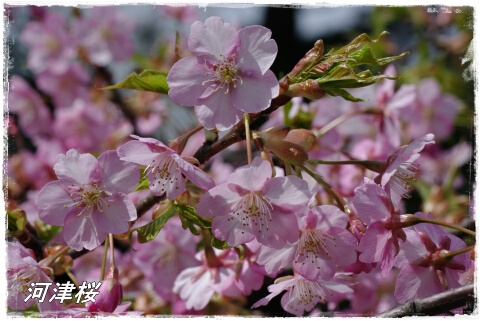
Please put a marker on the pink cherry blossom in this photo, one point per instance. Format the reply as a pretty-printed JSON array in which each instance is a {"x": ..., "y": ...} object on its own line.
[
  {"x": 34, "y": 117},
  {"x": 380, "y": 243},
  {"x": 302, "y": 295},
  {"x": 196, "y": 285},
  {"x": 433, "y": 111},
  {"x": 324, "y": 243},
  {"x": 89, "y": 200},
  {"x": 162, "y": 259},
  {"x": 424, "y": 271},
  {"x": 105, "y": 34},
  {"x": 228, "y": 75},
  {"x": 401, "y": 168},
  {"x": 50, "y": 46},
  {"x": 391, "y": 104},
  {"x": 252, "y": 204},
  {"x": 23, "y": 271},
  {"x": 65, "y": 87},
  {"x": 164, "y": 166}
]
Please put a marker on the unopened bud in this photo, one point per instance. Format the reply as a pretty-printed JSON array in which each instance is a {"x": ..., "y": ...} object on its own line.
[
  {"x": 287, "y": 151},
  {"x": 302, "y": 137},
  {"x": 110, "y": 293},
  {"x": 311, "y": 58},
  {"x": 309, "y": 89}
]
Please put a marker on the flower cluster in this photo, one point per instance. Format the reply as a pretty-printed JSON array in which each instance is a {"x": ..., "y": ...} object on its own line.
[{"x": 341, "y": 209}]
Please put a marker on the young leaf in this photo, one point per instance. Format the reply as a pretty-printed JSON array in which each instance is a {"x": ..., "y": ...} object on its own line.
[
  {"x": 148, "y": 232},
  {"x": 149, "y": 80}
]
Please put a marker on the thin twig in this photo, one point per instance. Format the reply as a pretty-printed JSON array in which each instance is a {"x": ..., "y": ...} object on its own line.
[{"x": 433, "y": 305}]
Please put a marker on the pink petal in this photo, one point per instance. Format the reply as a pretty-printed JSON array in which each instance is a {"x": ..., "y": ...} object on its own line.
[
  {"x": 194, "y": 174},
  {"x": 256, "y": 51},
  {"x": 117, "y": 175},
  {"x": 195, "y": 292},
  {"x": 276, "y": 259},
  {"x": 114, "y": 218},
  {"x": 81, "y": 232},
  {"x": 76, "y": 166},
  {"x": 279, "y": 231},
  {"x": 217, "y": 111},
  {"x": 255, "y": 94},
  {"x": 186, "y": 79},
  {"x": 218, "y": 201},
  {"x": 51, "y": 202},
  {"x": 287, "y": 194},
  {"x": 136, "y": 152},
  {"x": 373, "y": 242},
  {"x": 214, "y": 38},
  {"x": 231, "y": 229},
  {"x": 372, "y": 203},
  {"x": 416, "y": 282},
  {"x": 251, "y": 178}
]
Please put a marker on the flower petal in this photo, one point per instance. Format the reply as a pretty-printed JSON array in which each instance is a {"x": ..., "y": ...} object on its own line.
[
  {"x": 215, "y": 38},
  {"x": 217, "y": 111},
  {"x": 251, "y": 178},
  {"x": 81, "y": 232},
  {"x": 51, "y": 202},
  {"x": 75, "y": 166},
  {"x": 256, "y": 51},
  {"x": 115, "y": 217},
  {"x": 255, "y": 94},
  {"x": 117, "y": 175},
  {"x": 186, "y": 79},
  {"x": 194, "y": 174},
  {"x": 218, "y": 201},
  {"x": 231, "y": 229},
  {"x": 287, "y": 194}
]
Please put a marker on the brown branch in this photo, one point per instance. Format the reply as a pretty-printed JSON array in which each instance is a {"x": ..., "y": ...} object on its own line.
[
  {"x": 28, "y": 238},
  {"x": 433, "y": 305},
  {"x": 237, "y": 133}
]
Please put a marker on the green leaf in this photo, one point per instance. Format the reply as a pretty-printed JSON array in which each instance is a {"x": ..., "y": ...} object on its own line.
[
  {"x": 144, "y": 183},
  {"x": 47, "y": 232},
  {"x": 189, "y": 213},
  {"x": 342, "y": 93},
  {"x": 221, "y": 245},
  {"x": 366, "y": 56},
  {"x": 17, "y": 220},
  {"x": 149, "y": 80},
  {"x": 148, "y": 232}
]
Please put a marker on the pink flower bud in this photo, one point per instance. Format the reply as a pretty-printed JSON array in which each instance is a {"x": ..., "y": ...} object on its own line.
[{"x": 110, "y": 294}]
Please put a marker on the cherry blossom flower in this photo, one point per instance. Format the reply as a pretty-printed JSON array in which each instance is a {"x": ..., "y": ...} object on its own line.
[
  {"x": 433, "y": 111},
  {"x": 424, "y": 270},
  {"x": 65, "y": 87},
  {"x": 105, "y": 34},
  {"x": 162, "y": 259},
  {"x": 89, "y": 200},
  {"x": 23, "y": 271},
  {"x": 33, "y": 115},
  {"x": 401, "y": 168},
  {"x": 164, "y": 166},
  {"x": 302, "y": 295},
  {"x": 252, "y": 204},
  {"x": 50, "y": 46},
  {"x": 324, "y": 243},
  {"x": 380, "y": 243},
  {"x": 228, "y": 75},
  {"x": 196, "y": 285}
]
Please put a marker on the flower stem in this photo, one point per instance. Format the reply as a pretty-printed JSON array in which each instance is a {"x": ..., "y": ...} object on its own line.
[
  {"x": 104, "y": 260},
  {"x": 461, "y": 229},
  {"x": 51, "y": 260},
  {"x": 341, "y": 202},
  {"x": 112, "y": 253},
  {"x": 337, "y": 121},
  {"x": 451, "y": 254},
  {"x": 248, "y": 136}
]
